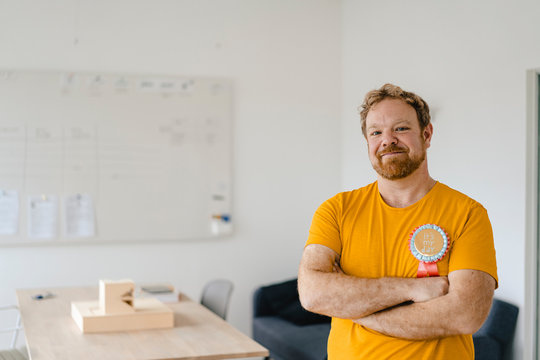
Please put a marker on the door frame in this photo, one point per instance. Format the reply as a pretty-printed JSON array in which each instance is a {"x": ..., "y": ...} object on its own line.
[{"x": 531, "y": 334}]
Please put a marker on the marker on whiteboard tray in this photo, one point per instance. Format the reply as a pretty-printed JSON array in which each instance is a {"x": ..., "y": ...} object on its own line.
[
  {"x": 46, "y": 295},
  {"x": 224, "y": 217}
]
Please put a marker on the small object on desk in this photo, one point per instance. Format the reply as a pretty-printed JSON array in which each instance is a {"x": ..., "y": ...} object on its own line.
[
  {"x": 46, "y": 295},
  {"x": 157, "y": 288},
  {"x": 163, "y": 292}
]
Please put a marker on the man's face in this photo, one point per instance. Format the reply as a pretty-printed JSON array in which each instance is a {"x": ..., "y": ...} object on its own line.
[{"x": 396, "y": 145}]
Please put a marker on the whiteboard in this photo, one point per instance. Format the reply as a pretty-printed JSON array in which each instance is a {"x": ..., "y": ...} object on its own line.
[{"x": 146, "y": 157}]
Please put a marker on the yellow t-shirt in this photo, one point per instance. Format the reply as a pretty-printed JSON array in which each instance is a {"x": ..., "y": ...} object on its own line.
[{"x": 372, "y": 239}]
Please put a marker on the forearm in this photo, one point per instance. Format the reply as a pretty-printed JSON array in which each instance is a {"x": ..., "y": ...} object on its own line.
[
  {"x": 326, "y": 290},
  {"x": 458, "y": 312},
  {"x": 348, "y": 297},
  {"x": 417, "y": 321}
]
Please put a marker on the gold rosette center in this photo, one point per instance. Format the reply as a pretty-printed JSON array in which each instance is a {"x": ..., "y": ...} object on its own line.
[{"x": 429, "y": 242}]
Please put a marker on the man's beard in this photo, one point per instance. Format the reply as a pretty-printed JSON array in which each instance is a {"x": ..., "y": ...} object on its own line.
[{"x": 398, "y": 167}]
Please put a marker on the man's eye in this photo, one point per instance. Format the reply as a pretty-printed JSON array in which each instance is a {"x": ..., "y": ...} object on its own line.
[
  {"x": 374, "y": 133},
  {"x": 402, "y": 128}
]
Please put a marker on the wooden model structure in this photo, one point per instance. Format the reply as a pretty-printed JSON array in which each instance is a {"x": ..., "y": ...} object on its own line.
[{"x": 117, "y": 310}]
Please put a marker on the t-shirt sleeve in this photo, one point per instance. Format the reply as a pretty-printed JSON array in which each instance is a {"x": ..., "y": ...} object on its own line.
[
  {"x": 474, "y": 248},
  {"x": 325, "y": 229}
]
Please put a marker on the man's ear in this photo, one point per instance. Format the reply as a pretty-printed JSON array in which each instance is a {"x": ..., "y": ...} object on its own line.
[{"x": 427, "y": 133}]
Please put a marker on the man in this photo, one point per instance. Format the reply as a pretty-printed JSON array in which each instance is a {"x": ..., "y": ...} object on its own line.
[{"x": 406, "y": 265}]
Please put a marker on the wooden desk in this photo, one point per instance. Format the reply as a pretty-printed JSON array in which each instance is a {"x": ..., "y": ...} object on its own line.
[{"x": 51, "y": 333}]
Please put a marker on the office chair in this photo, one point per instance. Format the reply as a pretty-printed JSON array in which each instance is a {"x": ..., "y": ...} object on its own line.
[
  {"x": 12, "y": 353},
  {"x": 216, "y": 295}
]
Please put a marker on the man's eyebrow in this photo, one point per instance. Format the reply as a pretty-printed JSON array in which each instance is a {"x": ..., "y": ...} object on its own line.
[
  {"x": 398, "y": 122},
  {"x": 403, "y": 122}
]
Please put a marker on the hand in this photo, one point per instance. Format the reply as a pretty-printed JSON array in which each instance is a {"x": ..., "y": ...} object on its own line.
[
  {"x": 424, "y": 289},
  {"x": 429, "y": 288},
  {"x": 337, "y": 268}
]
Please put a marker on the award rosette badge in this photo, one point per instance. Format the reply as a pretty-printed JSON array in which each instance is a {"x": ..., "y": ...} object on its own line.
[{"x": 428, "y": 243}]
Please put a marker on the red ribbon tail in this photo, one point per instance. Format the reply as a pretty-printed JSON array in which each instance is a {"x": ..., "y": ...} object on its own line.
[
  {"x": 432, "y": 269},
  {"x": 422, "y": 271},
  {"x": 427, "y": 269}
]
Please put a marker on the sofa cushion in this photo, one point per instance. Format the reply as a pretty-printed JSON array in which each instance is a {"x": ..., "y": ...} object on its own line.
[
  {"x": 486, "y": 348},
  {"x": 290, "y": 341},
  {"x": 284, "y": 301}
]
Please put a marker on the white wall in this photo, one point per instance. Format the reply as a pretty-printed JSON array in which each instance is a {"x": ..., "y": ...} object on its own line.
[
  {"x": 468, "y": 60},
  {"x": 284, "y": 59}
]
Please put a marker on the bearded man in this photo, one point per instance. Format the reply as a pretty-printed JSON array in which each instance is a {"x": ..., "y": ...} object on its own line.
[{"x": 405, "y": 266}]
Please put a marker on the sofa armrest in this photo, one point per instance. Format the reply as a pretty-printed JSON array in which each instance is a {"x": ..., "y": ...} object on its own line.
[
  {"x": 501, "y": 322},
  {"x": 261, "y": 307}
]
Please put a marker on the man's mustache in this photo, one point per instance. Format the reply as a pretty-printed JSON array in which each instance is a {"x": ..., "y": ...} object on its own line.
[{"x": 391, "y": 149}]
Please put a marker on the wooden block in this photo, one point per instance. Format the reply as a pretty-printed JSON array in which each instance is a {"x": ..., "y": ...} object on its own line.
[
  {"x": 149, "y": 313},
  {"x": 116, "y": 297}
]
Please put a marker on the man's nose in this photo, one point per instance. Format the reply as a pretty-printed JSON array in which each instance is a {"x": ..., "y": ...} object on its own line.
[{"x": 389, "y": 138}]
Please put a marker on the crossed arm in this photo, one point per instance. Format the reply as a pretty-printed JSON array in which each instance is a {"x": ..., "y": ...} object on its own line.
[{"x": 435, "y": 306}]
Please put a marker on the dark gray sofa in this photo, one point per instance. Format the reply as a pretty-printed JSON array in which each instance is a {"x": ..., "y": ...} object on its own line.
[{"x": 292, "y": 333}]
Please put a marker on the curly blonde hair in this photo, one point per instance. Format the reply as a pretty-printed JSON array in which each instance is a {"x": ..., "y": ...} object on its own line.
[{"x": 390, "y": 91}]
